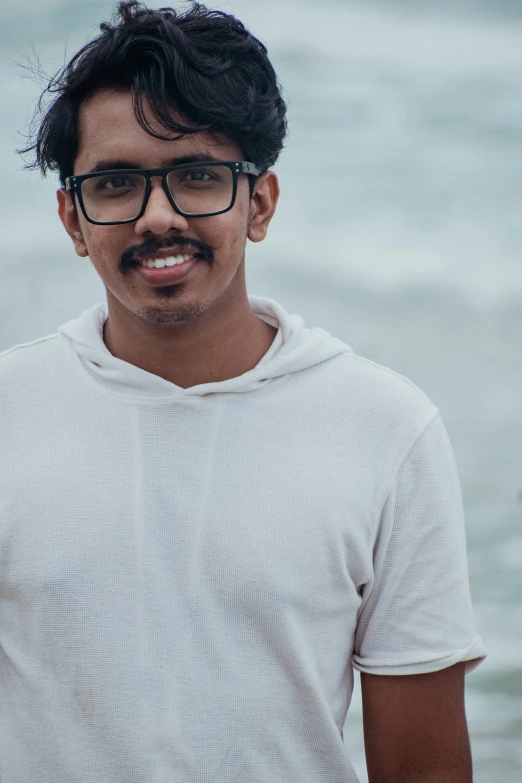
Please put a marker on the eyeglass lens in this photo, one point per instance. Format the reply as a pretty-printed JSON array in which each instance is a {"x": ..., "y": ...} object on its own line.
[{"x": 109, "y": 198}]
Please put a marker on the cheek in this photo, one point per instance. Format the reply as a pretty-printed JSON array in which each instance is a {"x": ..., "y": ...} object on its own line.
[
  {"x": 228, "y": 231},
  {"x": 105, "y": 245},
  {"x": 228, "y": 241}
]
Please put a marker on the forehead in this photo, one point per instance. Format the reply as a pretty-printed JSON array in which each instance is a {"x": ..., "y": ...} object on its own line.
[{"x": 109, "y": 129}]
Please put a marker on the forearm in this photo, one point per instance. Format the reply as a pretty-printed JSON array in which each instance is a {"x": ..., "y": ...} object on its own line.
[
  {"x": 415, "y": 728},
  {"x": 429, "y": 776}
]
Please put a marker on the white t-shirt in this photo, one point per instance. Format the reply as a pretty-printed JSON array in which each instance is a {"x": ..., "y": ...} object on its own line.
[{"x": 188, "y": 576}]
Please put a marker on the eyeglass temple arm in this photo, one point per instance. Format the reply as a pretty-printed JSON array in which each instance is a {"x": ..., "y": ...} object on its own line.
[{"x": 250, "y": 168}]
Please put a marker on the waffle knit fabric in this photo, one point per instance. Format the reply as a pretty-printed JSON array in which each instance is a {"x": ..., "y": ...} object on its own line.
[{"x": 188, "y": 577}]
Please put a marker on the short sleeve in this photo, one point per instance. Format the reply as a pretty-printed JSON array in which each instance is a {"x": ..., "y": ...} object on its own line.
[{"x": 416, "y": 614}]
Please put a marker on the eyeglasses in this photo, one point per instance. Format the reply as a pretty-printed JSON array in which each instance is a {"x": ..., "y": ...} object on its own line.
[{"x": 108, "y": 198}]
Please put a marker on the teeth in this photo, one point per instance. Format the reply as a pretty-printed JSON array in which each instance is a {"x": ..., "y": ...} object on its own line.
[{"x": 159, "y": 263}]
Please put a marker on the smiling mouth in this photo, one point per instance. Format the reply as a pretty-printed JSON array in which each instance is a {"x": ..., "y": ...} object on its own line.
[
  {"x": 173, "y": 260},
  {"x": 169, "y": 273}
]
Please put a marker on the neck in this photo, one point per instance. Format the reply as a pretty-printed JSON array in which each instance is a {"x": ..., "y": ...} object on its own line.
[{"x": 206, "y": 349}]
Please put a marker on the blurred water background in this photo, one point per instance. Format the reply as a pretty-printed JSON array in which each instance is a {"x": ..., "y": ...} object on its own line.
[{"x": 399, "y": 229}]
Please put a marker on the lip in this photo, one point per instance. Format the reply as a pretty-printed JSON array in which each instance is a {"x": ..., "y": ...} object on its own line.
[{"x": 169, "y": 274}]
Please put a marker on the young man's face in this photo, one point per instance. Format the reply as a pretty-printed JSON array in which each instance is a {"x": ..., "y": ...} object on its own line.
[{"x": 109, "y": 131}]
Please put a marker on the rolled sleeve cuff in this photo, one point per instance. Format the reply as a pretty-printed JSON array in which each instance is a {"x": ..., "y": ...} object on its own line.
[{"x": 473, "y": 655}]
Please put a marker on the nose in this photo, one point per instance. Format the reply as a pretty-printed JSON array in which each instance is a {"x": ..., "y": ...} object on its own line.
[{"x": 159, "y": 216}]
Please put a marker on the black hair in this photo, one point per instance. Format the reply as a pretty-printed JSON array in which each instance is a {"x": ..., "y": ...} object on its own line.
[{"x": 204, "y": 64}]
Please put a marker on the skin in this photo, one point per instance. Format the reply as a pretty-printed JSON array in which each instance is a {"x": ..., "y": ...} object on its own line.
[
  {"x": 415, "y": 728},
  {"x": 201, "y": 329}
]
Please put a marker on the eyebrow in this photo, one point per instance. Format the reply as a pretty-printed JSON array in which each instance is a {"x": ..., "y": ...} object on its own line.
[{"x": 118, "y": 163}]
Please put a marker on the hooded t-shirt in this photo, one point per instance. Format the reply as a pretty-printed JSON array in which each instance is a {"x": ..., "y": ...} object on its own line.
[{"x": 189, "y": 577}]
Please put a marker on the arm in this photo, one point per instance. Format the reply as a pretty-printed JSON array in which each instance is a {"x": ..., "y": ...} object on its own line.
[{"x": 415, "y": 728}]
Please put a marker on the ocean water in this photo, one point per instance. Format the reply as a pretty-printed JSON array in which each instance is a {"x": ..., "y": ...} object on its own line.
[{"x": 399, "y": 229}]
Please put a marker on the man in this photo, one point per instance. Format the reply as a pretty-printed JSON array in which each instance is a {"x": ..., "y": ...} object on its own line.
[{"x": 210, "y": 515}]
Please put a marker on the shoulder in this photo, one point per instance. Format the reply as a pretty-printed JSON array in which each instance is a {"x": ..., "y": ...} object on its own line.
[
  {"x": 31, "y": 384},
  {"x": 381, "y": 397},
  {"x": 27, "y": 363}
]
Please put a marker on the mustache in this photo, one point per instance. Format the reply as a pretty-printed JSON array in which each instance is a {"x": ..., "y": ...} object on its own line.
[{"x": 151, "y": 246}]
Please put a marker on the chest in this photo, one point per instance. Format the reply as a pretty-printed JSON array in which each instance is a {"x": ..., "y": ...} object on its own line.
[{"x": 243, "y": 513}]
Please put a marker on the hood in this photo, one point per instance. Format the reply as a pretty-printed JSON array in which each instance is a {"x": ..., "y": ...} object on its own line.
[{"x": 294, "y": 348}]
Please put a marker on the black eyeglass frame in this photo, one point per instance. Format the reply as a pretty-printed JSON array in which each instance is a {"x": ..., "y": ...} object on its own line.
[{"x": 74, "y": 184}]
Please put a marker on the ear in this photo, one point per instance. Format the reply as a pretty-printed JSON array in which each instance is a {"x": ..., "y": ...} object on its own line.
[
  {"x": 69, "y": 217},
  {"x": 263, "y": 205}
]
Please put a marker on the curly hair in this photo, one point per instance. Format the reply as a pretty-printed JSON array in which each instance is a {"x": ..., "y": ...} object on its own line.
[{"x": 205, "y": 64}]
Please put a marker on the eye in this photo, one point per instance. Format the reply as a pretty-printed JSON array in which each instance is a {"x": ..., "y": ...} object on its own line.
[
  {"x": 114, "y": 183},
  {"x": 197, "y": 175}
]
